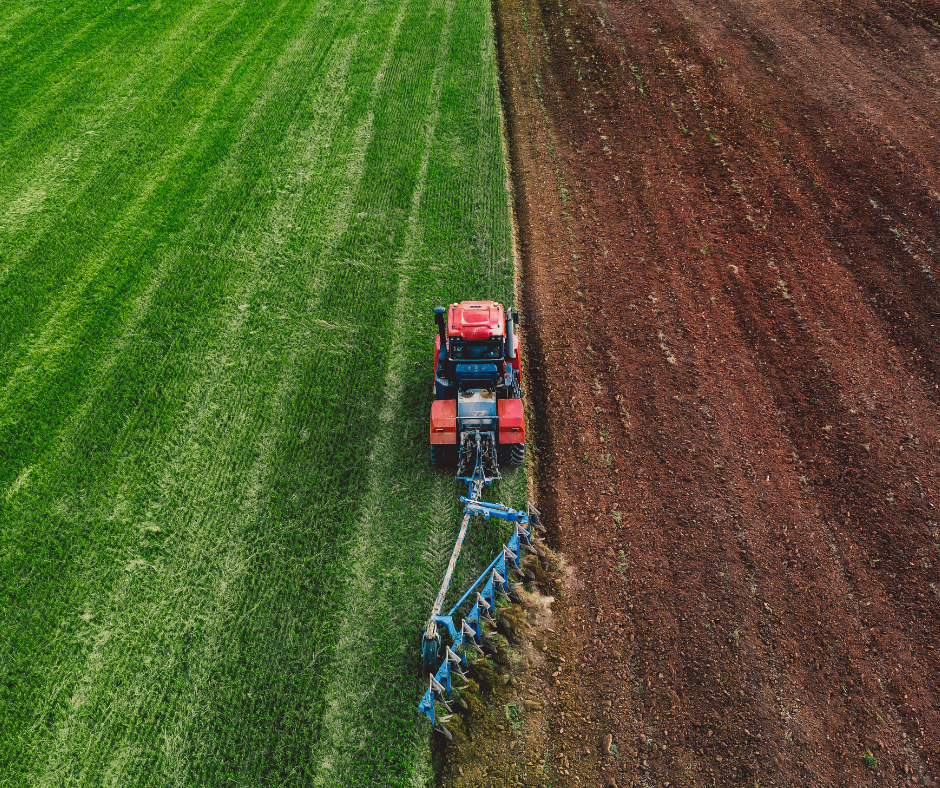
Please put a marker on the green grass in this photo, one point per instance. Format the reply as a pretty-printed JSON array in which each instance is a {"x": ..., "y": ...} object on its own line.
[{"x": 224, "y": 226}]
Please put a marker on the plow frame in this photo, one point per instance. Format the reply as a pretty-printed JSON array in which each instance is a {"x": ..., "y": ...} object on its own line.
[{"x": 493, "y": 582}]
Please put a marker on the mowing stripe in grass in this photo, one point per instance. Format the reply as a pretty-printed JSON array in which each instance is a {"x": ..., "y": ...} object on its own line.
[
  {"x": 202, "y": 743},
  {"x": 37, "y": 357},
  {"x": 53, "y": 146},
  {"x": 198, "y": 537},
  {"x": 11, "y": 17},
  {"x": 419, "y": 524},
  {"x": 40, "y": 359},
  {"x": 61, "y": 236},
  {"x": 369, "y": 345},
  {"x": 78, "y": 455},
  {"x": 349, "y": 691},
  {"x": 233, "y": 562},
  {"x": 336, "y": 95},
  {"x": 60, "y": 339}
]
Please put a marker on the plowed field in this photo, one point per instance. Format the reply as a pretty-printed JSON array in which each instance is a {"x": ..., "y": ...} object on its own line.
[{"x": 730, "y": 221}]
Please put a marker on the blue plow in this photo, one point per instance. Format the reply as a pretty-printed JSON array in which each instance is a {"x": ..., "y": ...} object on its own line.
[{"x": 483, "y": 592}]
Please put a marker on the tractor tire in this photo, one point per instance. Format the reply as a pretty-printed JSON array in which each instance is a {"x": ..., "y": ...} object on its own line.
[
  {"x": 443, "y": 456},
  {"x": 511, "y": 455}
]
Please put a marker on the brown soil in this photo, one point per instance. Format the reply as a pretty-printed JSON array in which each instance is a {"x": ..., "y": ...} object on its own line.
[
  {"x": 501, "y": 738},
  {"x": 730, "y": 221}
]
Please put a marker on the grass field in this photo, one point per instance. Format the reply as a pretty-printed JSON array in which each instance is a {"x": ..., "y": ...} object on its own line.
[{"x": 223, "y": 227}]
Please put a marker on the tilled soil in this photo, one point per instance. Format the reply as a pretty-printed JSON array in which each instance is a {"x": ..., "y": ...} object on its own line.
[{"x": 729, "y": 216}]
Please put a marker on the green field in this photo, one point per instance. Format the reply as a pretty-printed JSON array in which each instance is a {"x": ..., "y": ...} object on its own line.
[{"x": 223, "y": 226}]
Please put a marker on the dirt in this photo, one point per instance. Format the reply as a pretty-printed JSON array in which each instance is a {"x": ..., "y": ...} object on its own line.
[
  {"x": 729, "y": 215},
  {"x": 500, "y": 736}
]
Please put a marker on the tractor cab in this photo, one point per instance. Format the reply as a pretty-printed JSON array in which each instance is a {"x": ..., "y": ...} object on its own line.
[
  {"x": 471, "y": 349},
  {"x": 462, "y": 350}
]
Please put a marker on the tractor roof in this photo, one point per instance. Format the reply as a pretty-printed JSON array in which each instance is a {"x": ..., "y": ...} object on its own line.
[{"x": 476, "y": 320}]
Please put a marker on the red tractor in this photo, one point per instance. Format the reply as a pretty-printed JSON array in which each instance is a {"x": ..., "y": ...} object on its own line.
[{"x": 477, "y": 385}]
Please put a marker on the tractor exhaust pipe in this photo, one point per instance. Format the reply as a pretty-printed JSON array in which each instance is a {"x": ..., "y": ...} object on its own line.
[
  {"x": 441, "y": 320},
  {"x": 511, "y": 317}
]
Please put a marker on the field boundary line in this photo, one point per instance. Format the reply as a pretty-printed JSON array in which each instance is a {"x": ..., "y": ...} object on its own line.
[{"x": 512, "y": 201}]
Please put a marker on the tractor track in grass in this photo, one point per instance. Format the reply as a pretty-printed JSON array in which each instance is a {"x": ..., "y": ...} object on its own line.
[
  {"x": 204, "y": 570},
  {"x": 729, "y": 221},
  {"x": 352, "y": 687}
]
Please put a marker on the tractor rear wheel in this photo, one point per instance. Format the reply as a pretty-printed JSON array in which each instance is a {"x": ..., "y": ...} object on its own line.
[
  {"x": 443, "y": 456},
  {"x": 511, "y": 455}
]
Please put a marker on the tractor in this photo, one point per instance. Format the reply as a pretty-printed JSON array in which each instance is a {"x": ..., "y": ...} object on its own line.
[
  {"x": 477, "y": 425},
  {"x": 477, "y": 384}
]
